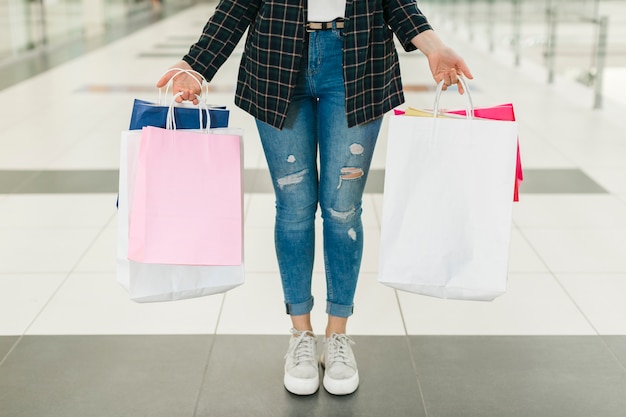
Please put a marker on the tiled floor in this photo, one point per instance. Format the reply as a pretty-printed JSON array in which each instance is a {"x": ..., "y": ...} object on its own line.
[{"x": 73, "y": 345}]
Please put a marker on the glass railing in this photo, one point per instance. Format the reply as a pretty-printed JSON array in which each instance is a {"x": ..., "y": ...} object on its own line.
[
  {"x": 582, "y": 40},
  {"x": 29, "y": 25}
]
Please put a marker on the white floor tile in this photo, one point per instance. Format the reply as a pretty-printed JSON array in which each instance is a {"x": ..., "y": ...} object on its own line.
[
  {"x": 570, "y": 211},
  {"x": 612, "y": 179},
  {"x": 601, "y": 299},
  {"x": 22, "y": 297},
  {"x": 96, "y": 304},
  {"x": 259, "y": 252},
  {"x": 522, "y": 257},
  {"x": 535, "y": 152},
  {"x": 34, "y": 211},
  {"x": 100, "y": 257},
  {"x": 580, "y": 250},
  {"x": 256, "y": 307},
  {"x": 261, "y": 211},
  {"x": 98, "y": 150},
  {"x": 370, "y": 214},
  {"x": 43, "y": 250},
  {"x": 376, "y": 309},
  {"x": 534, "y": 304}
]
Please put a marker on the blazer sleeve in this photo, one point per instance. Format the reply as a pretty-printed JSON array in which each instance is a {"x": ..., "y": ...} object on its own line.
[
  {"x": 220, "y": 35},
  {"x": 406, "y": 20}
]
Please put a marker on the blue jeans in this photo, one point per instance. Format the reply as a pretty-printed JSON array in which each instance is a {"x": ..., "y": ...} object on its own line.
[{"x": 316, "y": 120}]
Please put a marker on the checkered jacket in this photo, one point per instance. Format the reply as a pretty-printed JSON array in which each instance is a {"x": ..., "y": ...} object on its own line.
[{"x": 274, "y": 48}]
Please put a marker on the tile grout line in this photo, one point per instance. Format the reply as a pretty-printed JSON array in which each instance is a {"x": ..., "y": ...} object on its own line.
[
  {"x": 208, "y": 357},
  {"x": 411, "y": 356},
  {"x": 69, "y": 274},
  {"x": 4, "y": 359},
  {"x": 19, "y": 339},
  {"x": 559, "y": 283},
  {"x": 578, "y": 307}
]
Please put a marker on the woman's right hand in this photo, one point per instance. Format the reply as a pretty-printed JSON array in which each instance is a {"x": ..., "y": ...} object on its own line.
[{"x": 186, "y": 84}]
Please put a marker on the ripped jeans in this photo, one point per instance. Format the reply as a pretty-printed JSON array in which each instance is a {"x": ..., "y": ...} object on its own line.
[{"x": 316, "y": 120}]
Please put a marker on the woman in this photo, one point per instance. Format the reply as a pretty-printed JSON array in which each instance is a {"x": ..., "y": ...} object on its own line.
[{"x": 318, "y": 78}]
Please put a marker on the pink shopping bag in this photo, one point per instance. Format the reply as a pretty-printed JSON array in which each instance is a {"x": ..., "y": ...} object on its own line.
[{"x": 187, "y": 203}]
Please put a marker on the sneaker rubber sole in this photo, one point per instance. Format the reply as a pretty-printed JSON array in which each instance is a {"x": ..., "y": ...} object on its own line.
[
  {"x": 301, "y": 386},
  {"x": 341, "y": 386}
]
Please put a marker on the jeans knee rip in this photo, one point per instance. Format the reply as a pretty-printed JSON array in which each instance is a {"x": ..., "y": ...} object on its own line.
[
  {"x": 342, "y": 215},
  {"x": 350, "y": 173},
  {"x": 291, "y": 179}
]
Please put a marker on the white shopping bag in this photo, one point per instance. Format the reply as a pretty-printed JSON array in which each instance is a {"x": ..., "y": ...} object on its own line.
[
  {"x": 159, "y": 282},
  {"x": 447, "y": 205}
]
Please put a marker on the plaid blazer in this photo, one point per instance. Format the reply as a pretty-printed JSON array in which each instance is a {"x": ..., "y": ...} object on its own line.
[{"x": 274, "y": 47}]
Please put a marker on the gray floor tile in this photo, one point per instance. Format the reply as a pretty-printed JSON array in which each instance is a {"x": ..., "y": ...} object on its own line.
[
  {"x": 536, "y": 181},
  {"x": 11, "y": 181},
  {"x": 89, "y": 376},
  {"x": 245, "y": 375},
  {"x": 559, "y": 181},
  {"x": 618, "y": 346},
  {"x": 375, "y": 181},
  {"x": 6, "y": 343},
  {"x": 83, "y": 181},
  {"x": 516, "y": 376},
  {"x": 58, "y": 181},
  {"x": 257, "y": 181}
]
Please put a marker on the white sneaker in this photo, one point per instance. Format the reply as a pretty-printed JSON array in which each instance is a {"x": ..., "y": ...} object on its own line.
[
  {"x": 302, "y": 375},
  {"x": 341, "y": 375}
]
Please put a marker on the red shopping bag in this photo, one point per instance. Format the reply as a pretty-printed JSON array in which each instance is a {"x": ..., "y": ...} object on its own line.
[{"x": 187, "y": 202}]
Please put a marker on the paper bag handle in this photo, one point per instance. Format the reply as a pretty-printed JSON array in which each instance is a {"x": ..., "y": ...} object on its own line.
[
  {"x": 469, "y": 104},
  {"x": 170, "y": 121}
]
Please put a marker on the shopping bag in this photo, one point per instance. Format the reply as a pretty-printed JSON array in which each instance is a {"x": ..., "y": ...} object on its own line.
[
  {"x": 499, "y": 112},
  {"x": 146, "y": 282},
  {"x": 146, "y": 113},
  {"x": 129, "y": 150},
  {"x": 447, "y": 205},
  {"x": 187, "y": 201}
]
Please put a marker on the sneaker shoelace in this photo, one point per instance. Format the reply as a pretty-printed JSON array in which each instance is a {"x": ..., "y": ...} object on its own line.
[
  {"x": 303, "y": 348},
  {"x": 338, "y": 347}
]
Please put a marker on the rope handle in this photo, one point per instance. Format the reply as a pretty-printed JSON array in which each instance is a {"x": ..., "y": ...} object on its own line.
[
  {"x": 170, "y": 121},
  {"x": 469, "y": 104}
]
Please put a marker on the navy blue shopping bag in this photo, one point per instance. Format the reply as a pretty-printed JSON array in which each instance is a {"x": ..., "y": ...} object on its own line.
[{"x": 146, "y": 113}]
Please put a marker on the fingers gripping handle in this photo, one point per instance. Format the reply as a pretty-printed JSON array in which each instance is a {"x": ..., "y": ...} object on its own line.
[
  {"x": 469, "y": 105},
  {"x": 202, "y": 83}
]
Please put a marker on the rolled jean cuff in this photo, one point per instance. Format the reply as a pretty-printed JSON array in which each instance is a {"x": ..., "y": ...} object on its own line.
[
  {"x": 300, "y": 308},
  {"x": 339, "y": 310}
]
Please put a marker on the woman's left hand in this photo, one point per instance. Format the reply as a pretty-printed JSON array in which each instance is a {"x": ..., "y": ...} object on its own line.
[{"x": 445, "y": 64}]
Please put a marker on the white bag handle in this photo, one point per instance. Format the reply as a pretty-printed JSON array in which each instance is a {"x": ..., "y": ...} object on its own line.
[
  {"x": 469, "y": 105},
  {"x": 204, "y": 86},
  {"x": 170, "y": 121}
]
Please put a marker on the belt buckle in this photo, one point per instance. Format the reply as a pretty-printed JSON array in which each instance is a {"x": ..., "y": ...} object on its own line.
[{"x": 309, "y": 29}]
